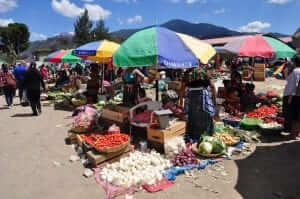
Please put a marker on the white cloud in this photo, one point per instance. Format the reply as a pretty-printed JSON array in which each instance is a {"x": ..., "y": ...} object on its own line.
[
  {"x": 96, "y": 12},
  {"x": 135, "y": 19},
  {"x": 5, "y": 22},
  {"x": 219, "y": 11},
  {"x": 195, "y": 1},
  {"x": 188, "y": 1},
  {"x": 281, "y": 2},
  {"x": 255, "y": 26},
  {"x": 125, "y": 1},
  {"x": 66, "y": 8},
  {"x": 7, "y": 5},
  {"x": 69, "y": 9},
  {"x": 88, "y": 1},
  {"x": 37, "y": 36}
]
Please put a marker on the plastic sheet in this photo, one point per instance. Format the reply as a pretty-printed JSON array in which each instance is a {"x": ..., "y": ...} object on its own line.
[
  {"x": 162, "y": 185},
  {"x": 171, "y": 173}
]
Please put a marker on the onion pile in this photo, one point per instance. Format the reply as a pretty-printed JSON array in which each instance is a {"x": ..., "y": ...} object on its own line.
[{"x": 185, "y": 157}]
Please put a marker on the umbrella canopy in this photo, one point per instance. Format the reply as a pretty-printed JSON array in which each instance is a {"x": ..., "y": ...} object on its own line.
[
  {"x": 100, "y": 51},
  {"x": 159, "y": 46},
  {"x": 259, "y": 46},
  {"x": 64, "y": 56}
]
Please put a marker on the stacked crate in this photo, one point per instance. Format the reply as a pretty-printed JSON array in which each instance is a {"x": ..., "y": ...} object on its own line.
[{"x": 259, "y": 72}]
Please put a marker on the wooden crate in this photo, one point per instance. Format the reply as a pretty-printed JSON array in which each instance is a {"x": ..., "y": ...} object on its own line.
[
  {"x": 71, "y": 138},
  {"x": 162, "y": 135},
  {"x": 259, "y": 76},
  {"x": 116, "y": 113},
  {"x": 100, "y": 159},
  {"x": 159, "y": 147},
  {"x": 259, "y": 67}
]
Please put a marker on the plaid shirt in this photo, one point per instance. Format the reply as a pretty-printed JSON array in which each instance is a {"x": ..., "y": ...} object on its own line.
[{"x": 3, "y": 78}]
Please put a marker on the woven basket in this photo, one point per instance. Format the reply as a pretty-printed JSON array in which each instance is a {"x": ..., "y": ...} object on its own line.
[
  {"x": 195, "y": 150},
  {"x": 114, "y": 149}
]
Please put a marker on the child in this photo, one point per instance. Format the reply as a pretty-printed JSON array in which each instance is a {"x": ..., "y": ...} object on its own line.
[{"x": 249, "y": 99}]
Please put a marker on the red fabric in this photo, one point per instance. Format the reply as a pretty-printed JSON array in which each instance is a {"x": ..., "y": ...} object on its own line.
[
  {"x": 4, "y": 77},
  {"x": 143, "y": 117},
  {"x": 110, "y": 66},
  {"x": 44, "y": 73},
  {"x": 162, "y": 185},
  {"x": 256, "y": 46}
]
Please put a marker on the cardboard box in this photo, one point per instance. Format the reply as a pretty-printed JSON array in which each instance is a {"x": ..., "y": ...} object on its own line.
[
  {"x": 162, "y": 135},
  {"x": 99, "y": 160}
]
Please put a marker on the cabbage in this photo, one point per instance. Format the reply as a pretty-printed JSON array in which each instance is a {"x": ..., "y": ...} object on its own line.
[
  {"x": 101, "y": 103},
  {"x": 218, "y": 145},
  {"x": 205, "y": 148}
]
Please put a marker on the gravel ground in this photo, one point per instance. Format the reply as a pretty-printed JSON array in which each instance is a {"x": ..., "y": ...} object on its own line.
[{"x": 34, "y": 161}]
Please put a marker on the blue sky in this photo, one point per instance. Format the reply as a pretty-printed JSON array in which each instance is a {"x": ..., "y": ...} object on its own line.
[{"x": 46, "y": 18}]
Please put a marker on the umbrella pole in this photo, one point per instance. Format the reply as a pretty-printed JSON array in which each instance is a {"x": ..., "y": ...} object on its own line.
[
  {"x": 102, "y": 79},
  {"x": 157, "y": 90}
]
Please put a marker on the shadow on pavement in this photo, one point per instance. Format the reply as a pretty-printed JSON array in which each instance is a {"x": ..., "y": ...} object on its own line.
[
  {"x": 274, "y": 138},
  {"x": 23, "y": 115},
  {"x": 272, "y": 172},
  {"x": 4, "y": 108}
]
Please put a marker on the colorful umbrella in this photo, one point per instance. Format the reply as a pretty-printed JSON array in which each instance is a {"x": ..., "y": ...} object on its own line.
[
  {"x": 100, "y": 51},
  {"x": 164, "y": 48},
  {"x": 259, "y": 46},
  {"x": 64, "y": 56}
]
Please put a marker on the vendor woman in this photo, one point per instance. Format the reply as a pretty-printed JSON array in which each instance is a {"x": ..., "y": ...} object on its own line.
[
  {"x": 132, "y": 77},
  {"x": 200, "y": 108},
  {"x": 93, "y": 84}
]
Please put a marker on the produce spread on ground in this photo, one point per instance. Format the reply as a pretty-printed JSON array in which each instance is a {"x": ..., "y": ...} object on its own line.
[{"x": 130, "y": 167}]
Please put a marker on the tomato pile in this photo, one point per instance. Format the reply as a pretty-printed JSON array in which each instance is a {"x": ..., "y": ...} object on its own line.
[
  {"x": 105, "y": 141},
  {"x": 264, "y": 111}
]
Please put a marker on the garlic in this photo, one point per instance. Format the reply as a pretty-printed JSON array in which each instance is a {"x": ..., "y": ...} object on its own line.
[{"x": 137, "y": 169}]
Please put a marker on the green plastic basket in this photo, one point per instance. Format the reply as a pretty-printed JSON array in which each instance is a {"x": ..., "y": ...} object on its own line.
[{"x": 251, "y": 123}]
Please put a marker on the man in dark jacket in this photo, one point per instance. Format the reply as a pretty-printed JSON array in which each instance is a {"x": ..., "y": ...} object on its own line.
[{"x": 33, "y": 82}]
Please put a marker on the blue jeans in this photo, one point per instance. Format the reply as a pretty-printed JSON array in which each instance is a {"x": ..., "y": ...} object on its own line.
[{"x": 9, "y": 95}]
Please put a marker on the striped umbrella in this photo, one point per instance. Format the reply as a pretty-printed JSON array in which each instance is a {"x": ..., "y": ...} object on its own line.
[
  {"x": 161, "y": 47},
  {"x": 259, "y": 46},
  {"x": 100, "y": 51},
  {"x": 63, "y": 56}
]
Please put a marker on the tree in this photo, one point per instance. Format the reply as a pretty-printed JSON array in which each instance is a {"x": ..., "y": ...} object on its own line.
[
  {"x": 100, "y": 32},
  {"x": 82, "y": 29},
  {"x": 15, "y": 39}
]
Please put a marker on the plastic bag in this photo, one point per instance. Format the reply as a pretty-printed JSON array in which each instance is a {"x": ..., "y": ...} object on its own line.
[
  {"x": 113, "y": 191},
  {"x": 159, "y": 186},
  {"x": 114, "y": 129}
]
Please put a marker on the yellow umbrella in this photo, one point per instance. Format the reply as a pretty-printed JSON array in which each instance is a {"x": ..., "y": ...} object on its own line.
[{"x": 99, "y": 51}]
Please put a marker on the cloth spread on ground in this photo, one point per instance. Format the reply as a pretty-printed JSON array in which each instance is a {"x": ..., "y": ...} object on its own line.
[{"x": 171, "y": 173}]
